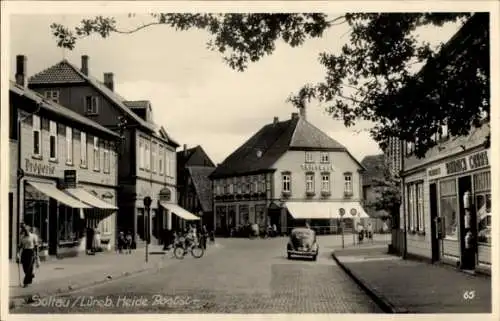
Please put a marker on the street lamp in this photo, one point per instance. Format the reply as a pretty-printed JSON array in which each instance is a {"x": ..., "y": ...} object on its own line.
[{"x": 147, "y": 205}]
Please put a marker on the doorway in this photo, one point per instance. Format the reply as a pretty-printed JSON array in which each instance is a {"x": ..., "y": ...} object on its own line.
[
  {"x": 433, "y": 199},
  {"x": 467, "y": 258}
]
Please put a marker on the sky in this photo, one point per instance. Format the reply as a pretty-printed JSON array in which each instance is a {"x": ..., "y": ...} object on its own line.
[{"x": 194, "y": 94}]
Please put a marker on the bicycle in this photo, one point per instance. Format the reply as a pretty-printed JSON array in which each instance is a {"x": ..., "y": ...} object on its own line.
[{"x": 180, "y": 250}]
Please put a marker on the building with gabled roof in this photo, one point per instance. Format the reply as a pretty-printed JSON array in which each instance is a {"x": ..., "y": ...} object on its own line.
[
  {"x": 194, "y": 186},
  {"x": 286, "y": 173},
  {"x": 147, "y": 166}
]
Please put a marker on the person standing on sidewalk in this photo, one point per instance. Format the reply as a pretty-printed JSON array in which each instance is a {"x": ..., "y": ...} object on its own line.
[
  {"x": 203, "y": 237},
  {"x": 28, "y": 253}
]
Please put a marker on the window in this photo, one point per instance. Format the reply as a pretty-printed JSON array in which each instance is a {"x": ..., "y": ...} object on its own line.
[
  {"x": 91, "y": 105},
  {"x": 83, "y": 149},
  {"x": 105, "y": 225},
  {"x": 37, "y": 138},
  {"x": 286, "y": 182},
  {"x": 97, "y": 158},
  {"x": 226, "y": 186},
  {"x": 449, "y": 208},
  {"x": 153, "y": 157},
  {"x": 240, "y": 186},
  {"x": 231, "y": 186},
  {"x": 482, "y": 191},
  {"x": 420, "y": 207},
  {"x": 309, "y": 182},
  {"x": 415, "y": 205},
  {"x": 68, "y": 224},
  {"x": 348, "y": 184},
  {"x": 443, "y": 134},
  {"x": 141, "y": 154},
  {"x": 106, "y": 158},
  {"x": 325, "y": 157},
  {"x": 52, "y": 95},
  {"x": 147, "y": 155},
  {"x": 325, "y": 182},
  {"x": 53, "y": 140},
  {"x": 309, "y": 157},
  {"x": 160, "y": 159},
  {"x": 69, "y": 145}
]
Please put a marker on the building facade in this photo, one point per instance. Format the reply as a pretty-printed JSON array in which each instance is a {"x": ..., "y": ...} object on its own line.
[
  {"x": 194, "y": 185},
  {"x": 66, "y": 183},
  {"x": 147, "y": 155},
  {"x": 287, "y": 174},
  {"x": 447, "y": 194}
]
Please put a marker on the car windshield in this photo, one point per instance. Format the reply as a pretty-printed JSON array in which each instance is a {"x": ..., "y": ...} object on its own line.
[{"x": 303, "y": 234}]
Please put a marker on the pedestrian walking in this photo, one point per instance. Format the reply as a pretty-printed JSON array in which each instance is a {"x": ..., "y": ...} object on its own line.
[
  {"x": 369, "y": 229},
  {"x": 121, "y": 242},
  {"x": 203, "y": 237},
  {"x": 129, "y": 242},
  {"x": 28, "y": 254},
  {"x": 360, "y": 233}
]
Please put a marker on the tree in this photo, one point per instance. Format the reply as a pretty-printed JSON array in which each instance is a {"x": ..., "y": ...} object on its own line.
[
  {"x": 388, "y": 189},
  {"x": 371, "y": 79}
]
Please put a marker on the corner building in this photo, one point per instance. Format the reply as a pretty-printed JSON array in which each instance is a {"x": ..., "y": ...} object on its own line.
[{"x": 287, "y": 174}]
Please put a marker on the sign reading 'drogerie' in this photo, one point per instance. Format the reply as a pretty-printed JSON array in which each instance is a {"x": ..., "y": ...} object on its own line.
[
  {"x": 38, "y": 168},
  {"x": 471, "y": 162},
  {"x": 317, "y": 167}
]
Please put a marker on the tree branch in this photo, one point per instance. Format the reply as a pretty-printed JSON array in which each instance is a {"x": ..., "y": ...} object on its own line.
[
  {"x": 332, "y": 22},
  {"x": 138, "y": 28}
]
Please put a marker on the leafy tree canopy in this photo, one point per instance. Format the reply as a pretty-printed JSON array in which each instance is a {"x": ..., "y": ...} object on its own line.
[{"x": 371, "y": 79}]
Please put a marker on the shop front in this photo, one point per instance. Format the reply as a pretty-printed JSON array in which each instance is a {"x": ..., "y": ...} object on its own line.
[{"x": 460, "y": 209}]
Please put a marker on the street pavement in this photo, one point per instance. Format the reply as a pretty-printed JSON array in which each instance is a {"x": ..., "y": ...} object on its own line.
[
  {"x": 244, "y": 276},
  {"x": 407, "y": 286}
]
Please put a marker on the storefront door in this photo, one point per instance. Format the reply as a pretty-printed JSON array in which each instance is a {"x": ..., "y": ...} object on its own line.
[
  {"x": 467, "y": 255},
  {"x": 433, "y": 198}
]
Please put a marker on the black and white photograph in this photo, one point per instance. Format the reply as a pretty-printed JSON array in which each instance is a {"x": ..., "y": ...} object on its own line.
[{"x": 281, "y": 159}]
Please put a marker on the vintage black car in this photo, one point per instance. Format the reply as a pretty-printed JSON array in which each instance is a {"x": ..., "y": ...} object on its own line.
[{"x": 303, "y": 243}]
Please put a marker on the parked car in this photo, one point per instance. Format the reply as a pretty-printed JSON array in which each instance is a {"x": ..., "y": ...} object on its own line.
[{"x": 302, "y": 242}]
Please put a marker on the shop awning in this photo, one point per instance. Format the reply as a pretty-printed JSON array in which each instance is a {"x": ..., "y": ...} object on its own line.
[
  {"x": 52, "y": 191},
  {"x": 90, "y": 199},
  {"x": 325, "y": 210},
  {"x": 179, "y": 211}
]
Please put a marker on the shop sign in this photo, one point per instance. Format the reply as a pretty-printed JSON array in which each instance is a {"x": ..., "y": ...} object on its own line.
[
  {"x": 471, "y": 162},
  {"x": 437, "y": 171},
  {"x": 70, "y": 178},
  {"x": 317, "y": 167},
  {"x": 39, "y": 168}
]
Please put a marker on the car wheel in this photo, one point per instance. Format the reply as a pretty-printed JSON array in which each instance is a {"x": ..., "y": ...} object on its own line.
[
  {"x": 315, "y": 257},
  {"x": 289, "y": 256}
]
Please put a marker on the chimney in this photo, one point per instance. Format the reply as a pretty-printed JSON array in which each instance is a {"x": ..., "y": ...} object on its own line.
[
  {"x": 185, "y": 149},
  {"x": 85, "y": 65},
  {"x": 108, "y": 80},
  {"x": 295, "y": 115},
  {"x": 21, "y": 70},
  {"x": 302, "y": 112},
  {"x": 275, "y": 120}
]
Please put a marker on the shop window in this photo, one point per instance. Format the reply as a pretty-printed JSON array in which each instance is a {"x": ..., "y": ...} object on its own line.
[
  {"x": 83, "y": 149},
  {"x": 36, "y": 207},
  {"x": 449, "y": 208},
  {"x": 37, "y": 137},
  {"x": 53, "y": 140},
  {"x": 244, "y": 214},
  {"x": 68, "y": 224},
  {"x": 309, "y": 182},
  {"x": 482, "y": 191},
  {"x": 415, "y": 207}
]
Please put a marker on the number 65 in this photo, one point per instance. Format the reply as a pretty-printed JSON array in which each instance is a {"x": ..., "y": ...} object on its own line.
[{"x": 469, "y": 295}]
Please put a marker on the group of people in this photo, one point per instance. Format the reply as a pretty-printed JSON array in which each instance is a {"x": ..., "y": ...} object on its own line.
[
  {"x": 125, "y": 242},
  {"x": 365, "y": 232}
]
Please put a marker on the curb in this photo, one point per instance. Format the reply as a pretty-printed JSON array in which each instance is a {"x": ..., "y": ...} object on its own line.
[
  {"x": 378, "y": 298},
  {"x": 20, "y": 300}
]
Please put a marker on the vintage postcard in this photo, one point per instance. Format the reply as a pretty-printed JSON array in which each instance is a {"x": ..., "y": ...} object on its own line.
[{"x": 251, "y": 160}]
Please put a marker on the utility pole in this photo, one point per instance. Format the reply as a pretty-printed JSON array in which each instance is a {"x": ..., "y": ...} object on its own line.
[{"x": 147, "y": 204}]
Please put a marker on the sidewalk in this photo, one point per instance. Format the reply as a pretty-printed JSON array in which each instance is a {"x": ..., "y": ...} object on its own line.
[
  {"x": 406, "y": 286},
  {"x": 59, "y": 276}
]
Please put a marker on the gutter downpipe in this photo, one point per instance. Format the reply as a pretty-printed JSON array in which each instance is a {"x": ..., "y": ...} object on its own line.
[{"x": 403, "y": 199}]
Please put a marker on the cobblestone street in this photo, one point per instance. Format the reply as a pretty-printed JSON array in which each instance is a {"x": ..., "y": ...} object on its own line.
[{"x": 246, "y": 276}]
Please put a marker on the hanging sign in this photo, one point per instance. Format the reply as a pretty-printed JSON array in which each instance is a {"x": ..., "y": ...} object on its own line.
[
  {"x": 353, "y": 212},
  {"x": 341, "y": 212}
]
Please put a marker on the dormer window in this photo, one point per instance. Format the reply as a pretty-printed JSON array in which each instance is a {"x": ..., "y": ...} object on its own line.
[
  {"x": 52, "y": 95},
  {"x": 91, "y": 105}
]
